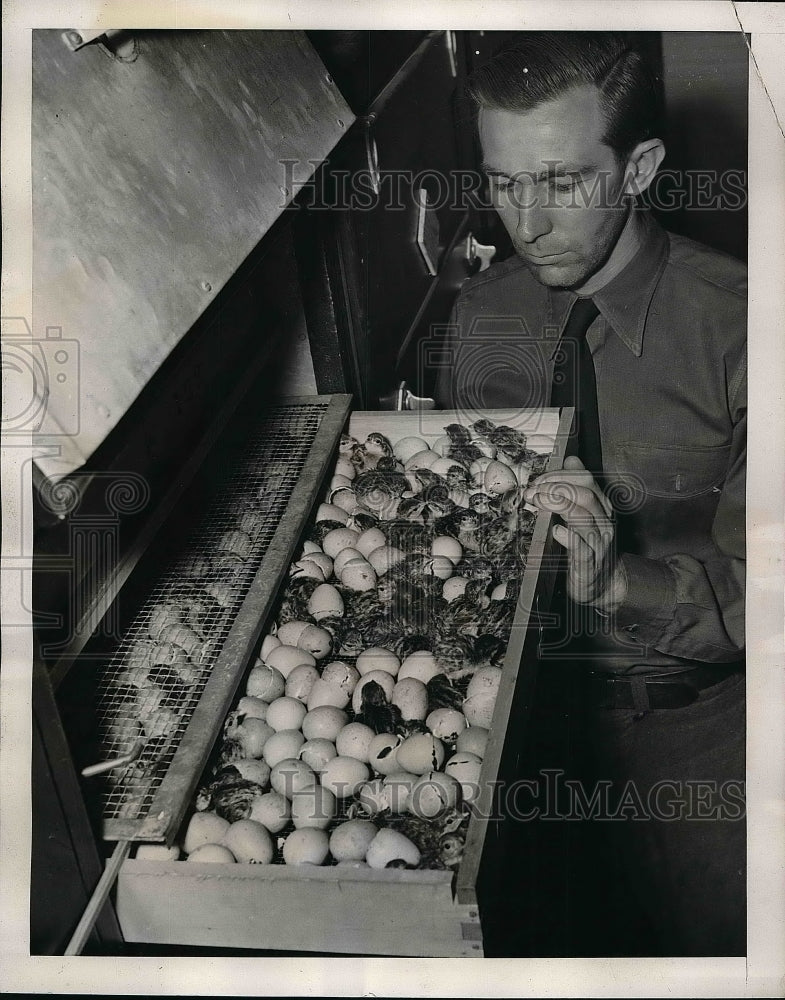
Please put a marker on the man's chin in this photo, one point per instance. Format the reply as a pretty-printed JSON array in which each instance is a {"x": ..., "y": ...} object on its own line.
[{"x": 557, "y": 274}]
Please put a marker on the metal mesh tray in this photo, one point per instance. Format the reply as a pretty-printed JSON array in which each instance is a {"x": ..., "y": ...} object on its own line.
[{"x": 169, "y": 682}]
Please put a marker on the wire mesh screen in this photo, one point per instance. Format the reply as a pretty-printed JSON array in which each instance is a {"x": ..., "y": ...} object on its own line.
[{"x": 155, "y": 678}]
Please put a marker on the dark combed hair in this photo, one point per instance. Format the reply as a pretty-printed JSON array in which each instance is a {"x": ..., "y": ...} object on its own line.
[{"x": 538, "y": 66}]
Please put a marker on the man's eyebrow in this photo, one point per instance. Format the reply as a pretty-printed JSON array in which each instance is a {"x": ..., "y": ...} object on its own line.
[{"x": 552, "y": 170}]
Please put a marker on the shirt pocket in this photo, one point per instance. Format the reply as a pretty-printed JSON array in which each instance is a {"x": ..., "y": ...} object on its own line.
[{"x": 675, "y": 473}]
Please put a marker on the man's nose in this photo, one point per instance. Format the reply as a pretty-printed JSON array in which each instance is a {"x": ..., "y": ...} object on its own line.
[{"x": 533, "y": 221}]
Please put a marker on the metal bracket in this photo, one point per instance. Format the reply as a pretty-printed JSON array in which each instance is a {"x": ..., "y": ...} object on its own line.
[
  {"x": 479, "y": 251},
  {"x": 118, "y": 43}
]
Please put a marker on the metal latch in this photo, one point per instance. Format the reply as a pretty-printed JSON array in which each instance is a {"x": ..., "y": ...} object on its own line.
[
  {"x": 118, "y": 43},
  {"x": 479, "y": 251},
  {"x": 404, "y": 399}
]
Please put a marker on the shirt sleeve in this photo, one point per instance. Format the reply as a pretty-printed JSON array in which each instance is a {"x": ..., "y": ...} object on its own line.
[{"x": 690, "y": 608}]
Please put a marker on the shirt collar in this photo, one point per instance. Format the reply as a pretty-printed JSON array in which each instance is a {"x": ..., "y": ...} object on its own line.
[{"x": 625, "y": 300}]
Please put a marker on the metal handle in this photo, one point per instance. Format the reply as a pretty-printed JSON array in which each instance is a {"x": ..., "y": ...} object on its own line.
[{"x": 109, "y": 765}]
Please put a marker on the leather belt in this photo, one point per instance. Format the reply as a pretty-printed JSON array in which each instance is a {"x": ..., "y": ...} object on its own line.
[{"x": 656, "y": 691}]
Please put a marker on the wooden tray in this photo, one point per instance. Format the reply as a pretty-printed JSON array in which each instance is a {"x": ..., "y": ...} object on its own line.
[{"x": 358, "y": 911}]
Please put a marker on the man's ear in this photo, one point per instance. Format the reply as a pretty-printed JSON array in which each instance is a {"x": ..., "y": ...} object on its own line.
[{"x": 643, "y": 163}]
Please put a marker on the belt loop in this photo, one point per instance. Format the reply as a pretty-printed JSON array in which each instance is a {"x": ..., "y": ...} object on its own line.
[{"x": 640, "y": 696}]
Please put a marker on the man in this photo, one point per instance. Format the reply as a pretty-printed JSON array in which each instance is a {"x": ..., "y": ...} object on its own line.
[{"x": 651, "y": 334}]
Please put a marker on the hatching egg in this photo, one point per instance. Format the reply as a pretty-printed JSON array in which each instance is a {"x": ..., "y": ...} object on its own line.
[
  {"x": 421, "y": 753},
  {"x": 473, "y": 740},
  {"x": 339, "y": 538},
  {"x": 485, "y": 680},
  {"x": 306, "y": 846},
  {"x": 322, "y": 560},
  {"x": 265, "y": 682},
  {"x": 439, "y": 566},
  {"x": 408, "y": 446},
  {"x": 317, "y": 752},
  {"x": 306, "y": 568},
  {"x": 465, "y": 768},
  {"x": 292, "y": 775},
  {"x": 324, "y": 723},
  {"x": 331, "y": 512},
  {"x": 385, "y": 680},
  {"x": 323, "y": 693},
  {"x": 325, "y": 602},
  {"x": 398, "y": 787},
  {"x": 421, "y": 665},
  {"x": 370, "y": 539},
  {"x": 477, "y": 469},
  {"x": 271, "y": 810},
  {"x": 479, "y": 710},
  {"x": 290, "y": 632},
  {"x": 446, "y": 545},
  {"x": 488, "y": 450},
  {"x": 343, "y": 557},
  {"x": 390, "y": 845},
  {"x": 339, "y": 480},
  {"x": 378, "y": 658},
  {"x": 384, "y": 558},
  {"x": 313, "y": 808},
  {"x": 254, "y": 708},
  {"x": 344, "y": 775},
  {"x": 316, "y": 641},
  {"x": 281, "y": 745},
  {"x": 249, "y": 842},
  {"x": 434, "y": 792},
  {"x": 268, "y": 643},
  {"x": 300, "y": 681},
  {"x": 345, "y": 498},
  {"x": 443, "y": 465},
  {"x": 344, "y": 675},
  {"x": 446, "y": 724},
  {"x": 354, "y": 741},
  {"x": 343, "y": 467},
  {"x": 358, "y": 575},
  {"x": 442, "y": 445},
  {"x": 499, "y": 592},
  {"x": 309, "y": 546},
  {"x": 286, "y": 658},
  {"x": 454, "y": 587},
  {"x": 350, "y": 840},
  {"x": 212, "y": 854},
  {"x": 285, "y": 713},
  {"x": 411, "y": 697},
  {"x": 372, "y": 796},
  {"x": 251, "y": 769},
  {"x": 422, "y": 460},
  {"x": 499, "y": 479},
  {"x": 204, "y": 828},
  {"x": 383, "y": 753}
]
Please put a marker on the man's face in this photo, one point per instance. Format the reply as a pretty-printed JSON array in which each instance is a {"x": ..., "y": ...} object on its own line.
[{"x": 556, "y": 185}]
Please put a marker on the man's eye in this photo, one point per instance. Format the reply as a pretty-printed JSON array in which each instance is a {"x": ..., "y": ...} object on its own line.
[{"x": 564, "y": 185}]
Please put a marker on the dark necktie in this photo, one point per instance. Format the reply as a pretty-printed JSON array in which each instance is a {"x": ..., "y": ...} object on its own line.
[{"x": 574, "y": 384}]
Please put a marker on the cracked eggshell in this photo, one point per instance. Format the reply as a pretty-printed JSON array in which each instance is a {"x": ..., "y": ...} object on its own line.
[
  {"x": 317, "y": 752},
  {"x": 411, "y": 697},
  {"x": 479, "y": 710},
  {"x": 372, "y": 796},
  {"x": 383, "y": 679},
  {"x": 344, "y": 467},
  {"x": 369, "y": 540},
  {"x": 345, "y": 499},
  {"x": 331, "y": 512},
  {"x": 446, "y": 723},
  {"x": 345, "y": 556},
  {"x": 499, "y": 479},
  {"x": 265, "y": 682},
  {"x": 390, "y": 845},
  {"x": 383, "y": 753},
  {"x": 398, "y": 787},
  {"x": 465, "y": 768},
  {"x": 344, "y": 675},
  {"x": 439, "y": 566},
  {"x": 290, "y": 632},
  {"x": 421, "y": 460},
  {"x": 358, "y": 575},
  {"x": 316, "y": 641},
  {"x": 378, "y": 658},
  {"x": 421, "y": 753},
  {"x": 433, "y": 793},
  {"x": 269, "y": 643},
  {"x": 350, "y": 841},
  {"x": 404, "y": 448},
  {"x": 422, "y": 665},
  {"x": 286, "y": 658},
  {"x": 384, "y": 558},
  {"x": 254, "y": 708},
  {"x": 325, "y": 602},
  {"x": 300, "y": 681},
  {"x": 251, "y": 769},
  {"x": 339, "y": 538}
]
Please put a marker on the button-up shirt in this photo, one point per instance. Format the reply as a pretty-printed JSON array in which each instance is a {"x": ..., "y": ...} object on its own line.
[{"x": 669, "y": 350}]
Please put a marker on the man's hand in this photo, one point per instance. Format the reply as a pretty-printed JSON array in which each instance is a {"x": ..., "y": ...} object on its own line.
[{"x": 587, "y": 533}]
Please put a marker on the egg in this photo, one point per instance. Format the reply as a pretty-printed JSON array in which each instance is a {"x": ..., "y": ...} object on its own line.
[
  {"x": 383, "y": 753},
  {"x": 265, "y": 682},
  {"x": 292, "y": 775},
  {"x": 479, "y": 710},
  {"x": 473, "y": 740},
  {"x": 323, "y": 693},
  {"x": 254, "y": 770},
  {"x": 446, "y": 545},
  {"x": 343, "y": 467},
  {"x": 309, "y": 546},
  {"x": 281, "y": 745},
  {"x": 499, "y": 592},
  {"x": 488, "y": 450},
  {"x": 290, "y": 632},
  {"x": 408, "y": 446},
  {"x": 398, "y": 787},
  {"x": 385, "y": 680},
  {"x": 331, "y": 512},
  {"x": 345, "y": 498},
  {"x": 268, "y": 643},
  {"x": 317, "y": 752},
  {"x": 341, "y": 674},
  {"x": 384, "y": 558},
  {"x": 345, "y": 556},
  {"x": 324, "y": 562},
  {"x": 354, "y": 741},
  {"x": 306, "y": 846},
  {"x": 378, "y": 658},
  {"x": 358, "y": 575},
  {"x": 324, "y": 722},
  {"x": 325, "y": 602},
  {"x": 249, "y": 842},
  {"x": 308, "y": 568},
  {"x": 344, "y": 775},
  {"x": 465, "y": 768},
  {"x": 271, "y": 810},
  {"x": 477, "y": 469},
  {"x": 285, "y": 713},
  {"x": 434, "y": 792},
  {"x": 499, "y": 479},
  {"x": 253, "y": 707},
  {"x": 339, "y": 538},
  {"x": 372, "y": 797},
  {"x": 485, "y": 680},
  {"x": 454, "y": 587},
  {"x": 421, "y": 460},
  {"x": 440, "y": 566},
  {"x": 446, "y": 724},
  {"x": 160, "y": 852},
  {"x": 351, "y": 840},
  {"x": 421, "y": 753},
  {"x": 339, "y": 480},
  {"x": 313, "y": 808},
  {"x": 300, "y": 681},
  {"x": 443, "y": 465},
  {"x": 212, "y": 854},
  {"x": 286, "y": 658},
  {"x": 204, "y": 828},
  {"x": 369, "y": 540},
  {"x": 411, "y": 697},
  {"x": 390, "y": 845},
  {"x": 249, "y": 733},
  {"x": 422, "y": 665},
  {"x": 442, "y": 445},
  {"x": 316, "y": 641}
]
